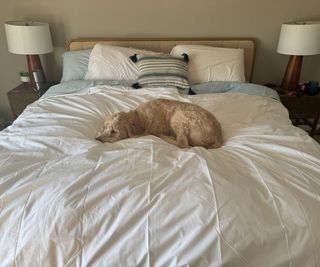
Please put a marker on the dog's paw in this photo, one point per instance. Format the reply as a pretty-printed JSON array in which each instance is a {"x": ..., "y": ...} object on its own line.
[{"x": 183, "y": 145}]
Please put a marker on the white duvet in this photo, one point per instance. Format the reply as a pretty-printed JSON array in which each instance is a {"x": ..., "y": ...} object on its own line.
[{"x": 69, "y": 200}]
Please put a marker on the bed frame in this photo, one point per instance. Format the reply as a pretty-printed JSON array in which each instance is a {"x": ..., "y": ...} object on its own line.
[{"x": 166, "y": 44}]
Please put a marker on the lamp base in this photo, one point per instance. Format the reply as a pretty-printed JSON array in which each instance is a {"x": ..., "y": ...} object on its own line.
[
  {"x": 34, "y": 63},
  {"x": 291, "y": 77}
]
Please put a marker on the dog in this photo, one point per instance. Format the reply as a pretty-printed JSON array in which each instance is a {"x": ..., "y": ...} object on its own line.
[{"x": 179, "y": 123}]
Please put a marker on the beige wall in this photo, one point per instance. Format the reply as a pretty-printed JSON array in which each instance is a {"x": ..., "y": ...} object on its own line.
[{"x": 163, "y": 18}]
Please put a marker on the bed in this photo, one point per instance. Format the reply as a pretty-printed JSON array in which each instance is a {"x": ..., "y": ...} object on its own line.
[{"x": 66, "y": 199}]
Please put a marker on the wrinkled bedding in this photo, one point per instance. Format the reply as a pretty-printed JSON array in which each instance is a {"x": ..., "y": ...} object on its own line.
[{"x": 69, "y": 200}]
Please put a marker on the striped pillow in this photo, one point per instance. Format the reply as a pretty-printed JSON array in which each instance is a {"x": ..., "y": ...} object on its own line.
[{"x": 162, "y": 71}]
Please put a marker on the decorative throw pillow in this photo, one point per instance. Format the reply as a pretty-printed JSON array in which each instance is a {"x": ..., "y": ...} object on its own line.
[
  {"x": 162, "y": 71},
  {"x": 75, "y": 65},
  {"x": 209, "y": 63},
  {"x": 109, "y": 62}
]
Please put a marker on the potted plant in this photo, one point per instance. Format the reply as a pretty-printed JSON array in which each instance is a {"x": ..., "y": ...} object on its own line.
[{"x": 24, "y": 76}]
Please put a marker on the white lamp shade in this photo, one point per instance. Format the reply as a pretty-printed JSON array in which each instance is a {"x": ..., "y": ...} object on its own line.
[
  {"x": 28, "y": 37},
  {"x": 300, "y": 38}
]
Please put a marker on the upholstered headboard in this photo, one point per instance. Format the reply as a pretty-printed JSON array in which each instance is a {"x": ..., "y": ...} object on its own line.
[{"x": 166, "y": 44}]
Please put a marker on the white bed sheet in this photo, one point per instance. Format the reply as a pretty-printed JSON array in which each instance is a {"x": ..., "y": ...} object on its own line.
[{"x": 69, "y": 200}]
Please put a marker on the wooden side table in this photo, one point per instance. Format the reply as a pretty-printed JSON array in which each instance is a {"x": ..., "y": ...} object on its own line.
[
  {"x": 1, "y": 124},
  {"x": 20, "y": 97},
  {"x": 303, "y": 110}
]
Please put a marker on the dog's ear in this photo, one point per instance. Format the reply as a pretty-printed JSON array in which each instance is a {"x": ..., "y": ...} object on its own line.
[
  {"x": 118, "y": 115},
  {"x": 133, "y": 124},
  {"x": 134, "y": 129}
]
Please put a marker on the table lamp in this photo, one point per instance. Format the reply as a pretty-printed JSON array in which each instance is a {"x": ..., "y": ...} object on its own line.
[
  {"x": 29, "y": 38},
  {"x": 297, "y": 39}
]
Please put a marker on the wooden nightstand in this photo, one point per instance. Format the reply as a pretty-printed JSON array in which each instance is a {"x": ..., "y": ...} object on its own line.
[
  {"x": 20, "y": 97},
  {"x": 1, "y": 124},
  {"x": 303, "y": 110}
]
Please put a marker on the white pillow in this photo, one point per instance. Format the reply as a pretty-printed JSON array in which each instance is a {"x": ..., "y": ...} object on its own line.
[
  {"x": 207, "y": 63},
  {"x": 109, "y": 62}
]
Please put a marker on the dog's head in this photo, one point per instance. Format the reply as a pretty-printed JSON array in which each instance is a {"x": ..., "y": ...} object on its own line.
[{"x": 119, "y": 126}]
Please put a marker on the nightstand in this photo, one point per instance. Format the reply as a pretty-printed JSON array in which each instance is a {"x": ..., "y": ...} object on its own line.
[
  {"x": 303, "y": 110},
  {"x": 20, "y": 97},
  {"x": 1, "y": 124}
]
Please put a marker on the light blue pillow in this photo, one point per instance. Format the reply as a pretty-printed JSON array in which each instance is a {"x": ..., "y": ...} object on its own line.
[
  {"x": 75, "y": 65},
  {"x": 234, "y": 87}
]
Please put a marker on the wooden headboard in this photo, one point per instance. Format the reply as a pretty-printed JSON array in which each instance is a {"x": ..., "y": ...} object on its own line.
[{"x": 166, "y": 44}]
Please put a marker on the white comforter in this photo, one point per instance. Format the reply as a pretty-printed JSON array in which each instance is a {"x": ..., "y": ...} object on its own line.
[{"x": 69, "y": 200}]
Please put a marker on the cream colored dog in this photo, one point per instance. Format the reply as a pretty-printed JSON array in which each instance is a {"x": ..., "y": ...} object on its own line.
[{"x": 179, "y": 123}]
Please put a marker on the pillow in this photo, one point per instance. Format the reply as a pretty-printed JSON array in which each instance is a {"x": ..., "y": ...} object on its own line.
[
  {"x": 162, "y": 71},
  {"x": 234, "y": 87},
  {"x": 109, "y": 62},
  {"x": 212, "y": 63},
  {"x": 75, "y": 65}
]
